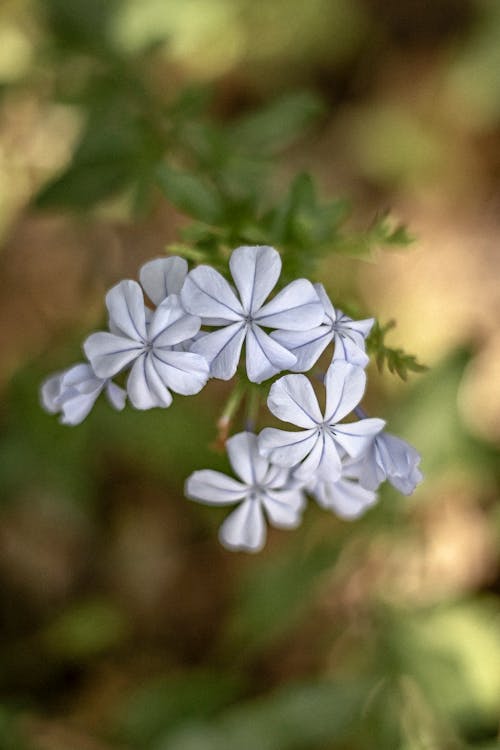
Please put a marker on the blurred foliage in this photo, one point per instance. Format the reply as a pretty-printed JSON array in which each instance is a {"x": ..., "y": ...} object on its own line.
[{"x": 124, "y": 625}]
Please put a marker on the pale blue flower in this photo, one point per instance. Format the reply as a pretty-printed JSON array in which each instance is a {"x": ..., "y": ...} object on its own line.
[
  {"x": 255, "y": 271},
  {"x": 74, "y": 392},
  {"x": 347, "y": 334},
  {"x": 147, "y": 341},
  {"x": 393, "y": 459},
  {"x": 261, "y": 490},
  {"x": 316, "y": 450}
]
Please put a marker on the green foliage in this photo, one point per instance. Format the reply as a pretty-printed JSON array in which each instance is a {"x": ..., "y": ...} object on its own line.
[
  {"x": 296, "y": 717},
  {"x": 396, "y": 360},
  {"x": 159, "y": 707}
]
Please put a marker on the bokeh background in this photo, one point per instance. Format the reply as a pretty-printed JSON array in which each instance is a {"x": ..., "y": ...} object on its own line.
[{"x": 124, "y": 625}]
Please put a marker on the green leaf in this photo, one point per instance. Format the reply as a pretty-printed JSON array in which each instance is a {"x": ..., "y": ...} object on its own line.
[
  {"x": 274, "y": 127},
  {"x": 191, "y": 194},
  {"x": 276, "y": 593},
  {"x": 396, "y": 360},
  {"x": 296, "y": 717},
  {"x": 160, "y": 706}
]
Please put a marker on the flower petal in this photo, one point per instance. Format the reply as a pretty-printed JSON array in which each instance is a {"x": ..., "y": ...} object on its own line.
[
  {"x": 286, "y": 448},
  {"x": 345, "y": 385},
  {"x": 265, "y": 357},
  {"x": 125, "y": 303},
  {"x": 255, "y": 270},
  {"x": 108, "y": 353},
  {"x": 50, "y": 392},
  {"x": 145, "y": 388},
  {"x": 214, "y": 488},
  {"x": 323, "y": 461},
  {"x": 356, "y": 437},
  {"x": 116, "y": 396},
  {"x": 222, "y": 350},
  {"x": 244, "y": 457},
  {"x": 346, "y": 349},
  {"x": 244, "y": 529},
  {"x": 284, "y": 507},
  {"x": 162, "y": 277},
  {"x": 75, "y": 408},
  {"x": 292, "y": 399},
  {"x": 295, "y": 308},
  {"x": 183, "y": 372},
  {"x": 171, "y": 324},
  {"x": 307, "y": 346},
  {"x": 326, "y": 302},
  {"x": 347, "y": 499},
  {"x": 207, "y": 294}
]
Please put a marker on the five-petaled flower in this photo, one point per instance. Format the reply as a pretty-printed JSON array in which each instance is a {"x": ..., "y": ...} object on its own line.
[
  {"x": 347, "y": 334},
  {"x": 255, "y": 271},
  {"x": 147, "y": 340},
  {"x": 322, "y": 441},
  {"x": 263, "y": 489}
]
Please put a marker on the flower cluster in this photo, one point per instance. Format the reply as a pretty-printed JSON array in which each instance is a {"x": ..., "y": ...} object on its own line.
[{"x": 195, "y": 332}]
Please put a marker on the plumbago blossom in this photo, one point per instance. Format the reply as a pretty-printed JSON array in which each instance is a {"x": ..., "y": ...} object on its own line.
[
  {"x": 195, "y": 330},
  {"x": 73, "y": 393},
  {"x": 263, "y": 489},
  {"x": 255, "y": 271}
]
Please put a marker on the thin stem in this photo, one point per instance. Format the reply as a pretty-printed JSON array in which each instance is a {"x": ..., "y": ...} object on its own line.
[
  {"x": 252, "y": 409},
  {"x": 230, "y": 408}
]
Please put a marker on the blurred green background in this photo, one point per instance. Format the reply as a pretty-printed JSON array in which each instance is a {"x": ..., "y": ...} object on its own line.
[{"x": 124, "y": 625}]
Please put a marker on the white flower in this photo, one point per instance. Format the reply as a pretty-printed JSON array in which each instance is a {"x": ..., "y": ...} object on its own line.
[
  {"x": 157, "y": 368},
  {"x": 345, "y": 497},
  {"x": 322, "y": 440},
  {"x": 255, "y": 271},
  {"x": 263, "y": 489},
  {"x": 393, "y": 459},
  {"x": 348, "y": 335},
  {"x": 75, "y": 391}
]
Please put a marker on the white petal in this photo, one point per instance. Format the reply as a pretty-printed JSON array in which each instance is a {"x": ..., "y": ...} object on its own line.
[
  {"x": 245, "y": 528},
  {"x": 326, "y": 302},
  {"x": 77, "y": 407},
  {"x": 145, "y": 387},
  {"x": 207, "y": 294},
  {"x": 292, "y": 399},
  {"x": 82, "y": 377},
  {"x": 356, "y": 437},
  {"x": 354, "y": 327},
  {"x": 49, "y": 393},
  {"x": 286, "y": 448},
  {"x": 295, "y": 308},
  {"x": 125, "y": 303},
  {"x": 284, "y": 507},
  {"x": 214, "y": 488},
  {"x": 222, "y": 350},
  {"x": 255, "y": 270},
  {"x": 183, "y": 372},
  {"x": 171, "y": 324},
  {"x": 347, "y": 350},
  {"x": 244, "y": 456},
  {"x": 116, "y": 396},
  {"x": 163, "y": 276},
  {"x": 346, "y": 498},
  {"x": 323, "y": 461},
  {"x": 307, "y": 346},
  {"x": 109, "y": 354},
  {"x": 345, "y": 385},
  {"x": 265, "y": 357}
]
